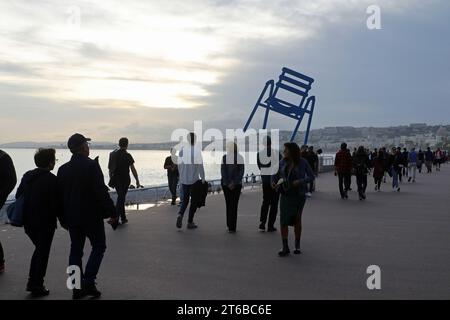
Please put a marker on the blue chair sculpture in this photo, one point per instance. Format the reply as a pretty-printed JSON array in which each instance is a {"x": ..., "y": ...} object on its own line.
[{"x": 296, "y": 84}]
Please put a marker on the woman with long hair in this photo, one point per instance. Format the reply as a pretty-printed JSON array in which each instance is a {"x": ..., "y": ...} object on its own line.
[{"x": 291, "y": 181}]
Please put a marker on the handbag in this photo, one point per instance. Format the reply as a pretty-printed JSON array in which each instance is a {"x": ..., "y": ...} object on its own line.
[{"x": 15, "y": 212}]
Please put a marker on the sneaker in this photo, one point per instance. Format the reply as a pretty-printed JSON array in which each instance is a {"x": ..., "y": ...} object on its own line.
[
  {"x": 297, "y": 251},
  {"x": 262, "y": 227},
  {"x": 284, "y": 252},
  {"x": 179, "y": 221},
  {"x": 92, "y": 291},
  {"x": 308, "y": 194},
  {"x": 78, "y": 294},
  {"x": 124, "y": 221},
  {"x": 40, "y": 291},
  {"x": 409, "y": 179},
  {"x": 192, "y": 225},
  {"x": 398, "y": 189},
  {"x": 271, "y": 229}
]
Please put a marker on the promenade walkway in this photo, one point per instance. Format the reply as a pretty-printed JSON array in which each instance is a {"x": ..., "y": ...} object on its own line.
[{"x": 407, "y": 234}]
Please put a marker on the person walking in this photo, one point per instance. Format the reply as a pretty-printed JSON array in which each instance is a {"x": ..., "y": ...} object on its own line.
[
  {"x": 120, "y": 163},
  {"x": 396, "y": 167},
  {"x": 232, "y": 171},
  {"x": 291, "y": 181},
  {"x": 171, "y": 165},
  {"x": 191, "y": 172},
  {"x": 412, "y": 165},
  {"x": 420, "y": 160},
  {"x": 429, "y": 158},
  {"x": 268, "y": 161},
  {"x": 343, "y": 164},
  {"x": 361, "y": 165},
  {"x": 85, "y": 203},
  {"x": 313, "y": 161},
  {"x": 405, "y": 155},
  {"x": 8, "y": 180},
  {"x": 378, "y": 169},
  {"x": 39, "y": 191},
  {"x": 438, "y": 159}
]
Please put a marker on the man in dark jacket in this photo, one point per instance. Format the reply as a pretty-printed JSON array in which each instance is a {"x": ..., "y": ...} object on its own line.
[
  {"x": 86, "y": 202},
  {"x": 8, "y": 181},
  {"x": 39, "y": 191},
  {"x": 269, "y": 207},
  {"x": 343, "y": 164}
]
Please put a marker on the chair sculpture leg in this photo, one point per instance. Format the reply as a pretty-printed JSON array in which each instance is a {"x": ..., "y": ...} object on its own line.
[
  {"x": 258, "y": 103},
  {"x": 312, "y": 101},
  {"x": 294, "y": 133},
  {"x": 266, "y": 116}
]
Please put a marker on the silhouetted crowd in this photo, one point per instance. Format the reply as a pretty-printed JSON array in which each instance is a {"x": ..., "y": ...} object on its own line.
[{"x": 78, "y": 197}]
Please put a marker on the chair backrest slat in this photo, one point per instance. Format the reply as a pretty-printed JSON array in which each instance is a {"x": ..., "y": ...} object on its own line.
[
  {"x": 298, "y": 75},
  {"x": 292, "y": 89},
  {"x": 303, "y": 85}
]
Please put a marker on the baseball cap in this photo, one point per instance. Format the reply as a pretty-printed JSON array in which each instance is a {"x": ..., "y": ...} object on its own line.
[{"x": 76, "y": 140}]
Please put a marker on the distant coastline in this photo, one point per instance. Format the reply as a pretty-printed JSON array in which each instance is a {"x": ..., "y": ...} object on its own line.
[{"x": 328, "y": 138}]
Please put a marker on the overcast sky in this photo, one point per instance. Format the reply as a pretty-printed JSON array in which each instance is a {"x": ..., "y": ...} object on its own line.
[{"x": 144, "y": 68}]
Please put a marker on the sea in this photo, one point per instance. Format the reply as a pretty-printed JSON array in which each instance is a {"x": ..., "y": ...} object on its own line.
[{"x": 149, "y": 163}]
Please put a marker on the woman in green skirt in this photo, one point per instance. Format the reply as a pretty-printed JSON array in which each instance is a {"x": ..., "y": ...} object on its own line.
[{"x": 291, "y": 181}]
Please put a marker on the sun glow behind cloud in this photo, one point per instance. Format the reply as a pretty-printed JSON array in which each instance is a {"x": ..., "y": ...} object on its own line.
[
  {"x": 128, "y": 61},
  {"x": 135, "y": 53}
]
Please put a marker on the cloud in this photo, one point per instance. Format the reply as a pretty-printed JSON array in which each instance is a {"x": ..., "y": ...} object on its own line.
[{"x": 149, "y": 67}]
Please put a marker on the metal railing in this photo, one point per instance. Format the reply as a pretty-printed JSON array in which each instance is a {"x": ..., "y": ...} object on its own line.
[{"x": 160, "y": 193}]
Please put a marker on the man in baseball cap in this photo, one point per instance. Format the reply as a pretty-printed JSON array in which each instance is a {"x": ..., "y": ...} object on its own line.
[
  {"x": 86, "y": 203},
  {"x": 76, "y": 141}
]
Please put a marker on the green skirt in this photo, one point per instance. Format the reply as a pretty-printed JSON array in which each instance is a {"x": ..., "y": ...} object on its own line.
[{"x": 291, "y": 206}]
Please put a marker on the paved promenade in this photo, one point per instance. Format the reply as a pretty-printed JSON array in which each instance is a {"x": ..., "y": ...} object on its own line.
[{"x": 407, "y": 234}]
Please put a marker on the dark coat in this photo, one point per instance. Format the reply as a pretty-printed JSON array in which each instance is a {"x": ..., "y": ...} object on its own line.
[
  {"x": 361, "y": 163},
  {"x": 343, "y": 162},
  {"x": 83, "y": 193},
  {"x": 199, "y": 191},
  {"x": 302, "y": 172},
  {"x": 8, "y": 177},
  {"x": 41, "y": 209}
]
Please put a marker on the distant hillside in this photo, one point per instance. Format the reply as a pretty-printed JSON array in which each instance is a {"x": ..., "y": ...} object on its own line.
[{"x": 328, "y": 138}]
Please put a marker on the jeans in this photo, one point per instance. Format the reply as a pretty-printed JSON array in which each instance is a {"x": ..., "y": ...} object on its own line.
[
  {"x": 361, "y": 181},
  {"x": 186, "y": 196},
  {"x": 95, "y": 232},
  {"x": 377, "y": 181},
  {"x": 345, "y": 180},
  {"x": 122, "y": 191},
  {"x": 395, "y": 176},
  {"x": 412, "y": 168},
  {"x": 173, "y": 182},
  {"x": 231, "y": 203},
  {"x": 269, "y": 205},
  {"x": 42, "y": 240}
]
